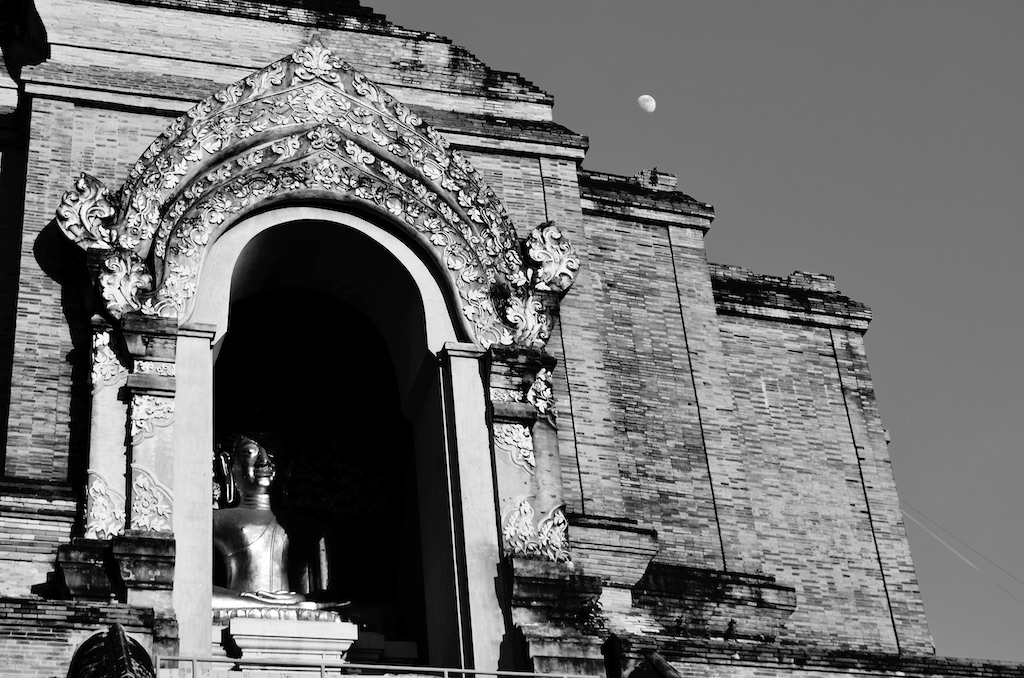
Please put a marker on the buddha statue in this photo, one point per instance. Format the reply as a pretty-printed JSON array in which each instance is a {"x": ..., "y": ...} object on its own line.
[{"x": 261, "y": 564}]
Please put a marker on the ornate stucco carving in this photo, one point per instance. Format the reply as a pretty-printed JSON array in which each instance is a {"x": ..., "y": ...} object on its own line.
[
  {"x": 123, "y": 278},
  {"x": 309, "y": 126},
  {"x": 520, "y": 537},
  {"x": 148, "y": 413},
  {"x": 86, "y": 214},
  {"x": 518, "y": 533},
  {"x": 554, "y": 260},
  {"x": 159, "y": 368},
  {"x": 517, "y": 442},
  {"x": 506, "y": 395},
  {"x": 106, "y": 367},
  {"x": 152, "y": 502},
  {"x": 104, "y": 516},
  {"x": 541, "y": 395},
  {"x": 553, "y": 536}
]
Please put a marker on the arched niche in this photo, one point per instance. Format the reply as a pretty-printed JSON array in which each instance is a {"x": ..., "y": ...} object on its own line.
[{"x": 293, "y": 257}]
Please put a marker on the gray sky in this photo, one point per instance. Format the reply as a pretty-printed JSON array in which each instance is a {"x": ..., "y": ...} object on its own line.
[{"x": 881, "y": 142}]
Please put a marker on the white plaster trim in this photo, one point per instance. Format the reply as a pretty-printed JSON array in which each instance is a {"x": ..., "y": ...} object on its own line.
[{"x": 213, "y": 292}]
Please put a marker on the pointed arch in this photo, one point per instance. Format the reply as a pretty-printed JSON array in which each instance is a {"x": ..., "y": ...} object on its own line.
[{"x": 310, "y": 128}]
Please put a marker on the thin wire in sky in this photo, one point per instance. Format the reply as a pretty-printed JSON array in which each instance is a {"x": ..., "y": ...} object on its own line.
[
  {"x": 951, "y": 534},
  {"x": 962, "y": 556}
]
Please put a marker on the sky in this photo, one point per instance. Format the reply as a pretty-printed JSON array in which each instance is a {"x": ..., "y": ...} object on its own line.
[{"x": 880, "y": 142}]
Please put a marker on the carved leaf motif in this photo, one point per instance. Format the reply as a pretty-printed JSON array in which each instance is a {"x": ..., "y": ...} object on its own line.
[
  {"x": 152, "y": 502},
  {"x": 230, "y": 94},
  {"x": 148, "y": 413},
  {"x": 323, "y": 137},
  {"x": 357, "y": 154},
  {"x": 316, "y": 61},
  {"x": 263, "y": 80},
  {"x": 554, "y": 259},
  {"x": 552, "y": 536},
  {"x": 86, "y": 214},
  {"x": 531, "y": 320},
  {"x": 548, "y": 540},
  {"x": 287, "y": 147},
  {"x": 541, "y": 395},
  {"x": 125, "y": 277},
  {"x": 519, "y": 536},
  {"x": 105, "y": 514},
  {"x": 161, "y": 369},
  {"x": 516, "y": 441},
  {"x": 506, "y": 395},
  {"x": 106, "y": 367}
]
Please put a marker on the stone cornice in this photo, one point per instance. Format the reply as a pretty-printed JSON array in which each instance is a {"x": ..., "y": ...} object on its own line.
[
  {"x": 621, "y": 197},
  {"x": 802, "y": 298}
]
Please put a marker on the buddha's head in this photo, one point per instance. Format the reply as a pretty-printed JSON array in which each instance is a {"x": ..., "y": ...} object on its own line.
[{"x": 247, "y": 468}]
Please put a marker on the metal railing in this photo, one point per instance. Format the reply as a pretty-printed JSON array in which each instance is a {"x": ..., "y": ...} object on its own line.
[{"x": 203, "y": 667}]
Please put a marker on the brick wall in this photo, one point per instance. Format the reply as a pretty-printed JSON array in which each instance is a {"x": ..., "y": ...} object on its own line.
[
  {"x": 38, "y": 639},
  {"x": 826, "y": 517},
  {"x": 35, "y": 518},
  {"x": 638, "y": 435}
]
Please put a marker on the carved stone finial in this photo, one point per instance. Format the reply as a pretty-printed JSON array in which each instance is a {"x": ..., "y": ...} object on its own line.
[
  {"x": 315, "y": 60},
  {"x": 86, "y": 214},
  {"x": 554, "y": 260}
]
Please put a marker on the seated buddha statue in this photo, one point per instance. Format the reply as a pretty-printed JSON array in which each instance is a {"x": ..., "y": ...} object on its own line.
[{"x": 261, "y": 563}]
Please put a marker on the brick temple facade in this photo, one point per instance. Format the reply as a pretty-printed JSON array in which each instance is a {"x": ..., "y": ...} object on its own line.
[{"x": 540, "y": 431}]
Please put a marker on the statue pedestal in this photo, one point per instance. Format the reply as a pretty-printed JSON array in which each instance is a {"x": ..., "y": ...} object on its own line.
[{"x": 291, "y": 639}]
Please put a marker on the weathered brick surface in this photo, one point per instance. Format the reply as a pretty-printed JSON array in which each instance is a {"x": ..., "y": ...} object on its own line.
[
  {"x": 38, "y": 639},
  {"x": 12, "y": 193},
  {"x": 638, "y": 435},
  {"x": 35, "y": 519},
  {"x": 810, "y": 515},
  {"x": 734, "y": 492},
  {"x": 38, "y": 434},
  {"x": 66, "y": 140}
]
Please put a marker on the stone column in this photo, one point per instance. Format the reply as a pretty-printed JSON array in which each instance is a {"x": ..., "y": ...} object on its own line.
[
  {"x": 526, "y": 460},
  {"x": 145, "y": 553},
  {"x": 83, "y": 562},
  {"x": 106, "y": 484},
  {"x": 193, "y": 513},
  {"x": 476, "y": 521}
]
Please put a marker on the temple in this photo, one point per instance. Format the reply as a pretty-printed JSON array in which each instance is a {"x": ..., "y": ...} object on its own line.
[{"x": 322, "y": 348}]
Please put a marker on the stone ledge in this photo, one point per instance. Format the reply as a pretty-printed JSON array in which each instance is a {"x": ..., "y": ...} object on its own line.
[
  {"x": 699, "y": 602},
  {"x": 616, "y": 550},
  {"x": 804, "y": 298},
  {"x": 628, "y": 198}
]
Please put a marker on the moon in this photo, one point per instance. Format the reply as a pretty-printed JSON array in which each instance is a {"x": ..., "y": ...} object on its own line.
[{"x": 647, "y": 103}]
